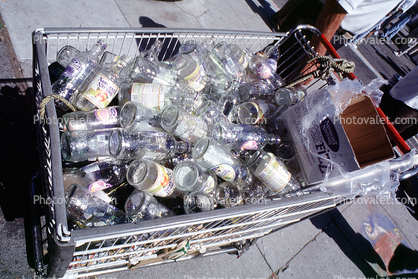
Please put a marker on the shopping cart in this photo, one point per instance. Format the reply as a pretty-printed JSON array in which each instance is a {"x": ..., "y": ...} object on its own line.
[{"x": 56, "y": 251}]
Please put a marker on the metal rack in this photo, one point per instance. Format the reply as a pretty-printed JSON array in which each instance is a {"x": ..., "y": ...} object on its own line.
[{"x": 85, "y": 252}]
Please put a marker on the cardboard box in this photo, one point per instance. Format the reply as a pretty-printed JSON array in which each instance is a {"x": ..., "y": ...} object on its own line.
[{"x": 334, "y": 144}]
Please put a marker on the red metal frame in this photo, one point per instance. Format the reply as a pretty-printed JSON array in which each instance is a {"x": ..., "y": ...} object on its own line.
[{"x": 393, "y": 133}]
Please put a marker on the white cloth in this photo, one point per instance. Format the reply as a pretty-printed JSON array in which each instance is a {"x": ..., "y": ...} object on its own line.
[
  {"x": 406, "y": 90},
  {"x": 364, "y": 14}
]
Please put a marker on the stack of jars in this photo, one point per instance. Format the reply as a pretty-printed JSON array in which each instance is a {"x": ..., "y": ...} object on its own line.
[{"x": 154, "y": 138}]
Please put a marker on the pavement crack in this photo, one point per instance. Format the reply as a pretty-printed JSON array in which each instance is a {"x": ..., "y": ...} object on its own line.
[
  {"x": 262, "y": 252},
  {"x": 120, "y": 10}
]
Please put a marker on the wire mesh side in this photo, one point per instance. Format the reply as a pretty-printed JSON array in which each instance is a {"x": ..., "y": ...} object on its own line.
[{"x": 138, "y": 248}]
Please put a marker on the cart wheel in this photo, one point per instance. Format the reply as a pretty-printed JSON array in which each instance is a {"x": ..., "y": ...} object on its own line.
[{"x": 242, "y": 246}]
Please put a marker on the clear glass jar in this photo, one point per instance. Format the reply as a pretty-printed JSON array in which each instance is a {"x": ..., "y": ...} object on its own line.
[
  {"x": 198, "y": 202},
  {"x": 212, "y": 156},
  {"x": 144, "y": 118},
  {"x": 190, "y": 177},
  {"x": 228, "y": 194},
  {"x": 286, "y": 97},
  {"x": 98, "y": 119},
  {"x": 182, "y": 124},
  {"x": 128, "y": 144},
  {"x": 272, "y": 173},
  {"x": 254, "y": 112},
  {"x": 152, "y": 178},
  {"x": 188, "y": 69},
  {"x": 242, "y": 137},
  {"x": 78, "y": 146},
  {"x": 87, "y": 210},
  {"x": 141, "y": 206}
]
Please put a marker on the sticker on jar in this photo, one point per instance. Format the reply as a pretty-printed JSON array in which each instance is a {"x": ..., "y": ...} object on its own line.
[
  {"x": 149, "y": 95},
  {"x": 264, "y": 72},
  {"x": 106, "y": 115},
  {"x": 101, "y": 91},
  {"x": 249, "y": 145},
  {"x": 195, "y": 79},
  {"x": 73, "y": 68},
  {"x": 274, "y": 175},
  {"x": 261, "y": 108},
  {"x": 164, "y": 184},
  {"x": 209, "y": 185},
  {"x": 224, "y": 171},
  {"x": 98, "y": 186}
]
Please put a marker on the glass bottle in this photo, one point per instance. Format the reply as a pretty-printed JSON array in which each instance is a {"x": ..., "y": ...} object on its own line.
[
  {"x": 103, "y": 87},
  {"x": 156, "y": 96},
  {"x": 141, "y": 206},
  {"x": 146, "y": 71},
  {"x": 99, "y": 175},
  {"x": 92, "y": 120},
  {"x": 66, "y": 54},
  {"x": 272, "y": 173},
  {"x": 190, "y": 71},
  {"x": 260, "y": 67},
  {"x": 257, "y": 91},
  {"x": 190, "y": 177},
  {"x": 128, "y": 144},
  {"x": 77, "y": 74},
  {"x": 241, "y": 136},
  {"x": 228, "y": 194},
  {"x": 212, "y": 156},
  {"x": 254, "y": 112},
  {"x": 211, "y": 113},
  {"x": 198, "y": 202},
  {"x": 152, "y": 178},
  {"x": 87, "y": 210},
  {"x": 231, "y": 65},
  {"x": 142, "y": 117},
  {"x": 195, "y": 50},
  {"x": 77, "y": 146},
  {"x": 286, "y": 97},
  {"x": 239, "y": 54},
  {"x": 182, "y": 124}
]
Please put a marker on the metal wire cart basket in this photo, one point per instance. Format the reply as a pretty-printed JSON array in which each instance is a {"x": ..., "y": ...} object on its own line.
[{"x": 85, "y": 252}]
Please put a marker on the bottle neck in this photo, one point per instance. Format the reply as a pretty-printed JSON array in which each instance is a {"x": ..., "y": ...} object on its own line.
[
  {"x": 181, "y": 147},
  {"x": 272, "y": 139}
]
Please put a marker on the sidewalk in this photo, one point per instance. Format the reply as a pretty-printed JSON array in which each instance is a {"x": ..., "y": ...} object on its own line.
[{"x": 330, "y": 245}]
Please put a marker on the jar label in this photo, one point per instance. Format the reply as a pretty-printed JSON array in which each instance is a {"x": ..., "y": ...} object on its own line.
[
  {"x": 101, "y": 91},
  {"x": 73, "y": 69},
  {"x": 264, "y": 72},
  {"x": 274, "y": 175},
  {"x": 164, "y": 184},
  {"x": 98, "y": 185},
  {"x": 262, "y": 109},
  {"x": 149, "y": 95},
  {"x": 224, "y": 171},
  {"x": 106, "y": 115},
  {"x": 249, "y": 145},
  {"x": 195, "y": 79},
  {"x": 209, "y": 185}
]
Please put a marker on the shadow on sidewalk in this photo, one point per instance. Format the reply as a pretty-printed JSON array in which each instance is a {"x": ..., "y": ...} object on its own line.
[
  {"x": 264, "y": 10},
  {"x": 363, "y": 254}
]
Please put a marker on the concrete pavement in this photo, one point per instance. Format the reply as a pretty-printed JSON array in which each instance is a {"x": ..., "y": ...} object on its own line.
[{"x": 323, "y": 247}]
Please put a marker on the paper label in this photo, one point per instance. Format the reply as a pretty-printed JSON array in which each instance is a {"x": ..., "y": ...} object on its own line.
[
  {"x": 224, "y": 171},
  {"x": 209, "y": 185},
  {"x": 164, "y": 184},
  {"x": 98, "y": 185},
  {"x": 274, "y": 175},
  {"x": 101, "y": 91},
  {"x": 195, "y": 79},
  {"x": 264, "y": 72},
  {"x": 73, "y": 68},
  {"x": 149, "y": 95},
  {"x": 106, "y": 115},
  {"x": 249, "y": 145}
]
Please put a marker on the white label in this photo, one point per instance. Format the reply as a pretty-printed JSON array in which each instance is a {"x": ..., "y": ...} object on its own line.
[
  {"x": 195, "y": 79},
  {"x": 164, "y": 184},
  {"x": 149, "y": 95},
  {"x": 209, "y": 185},
  {"x": 106, "y": 115},
  {"x": 224, "y": 171},
  {"x": 274, "y": 175},
  {"x": 101, "y": 91}
]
